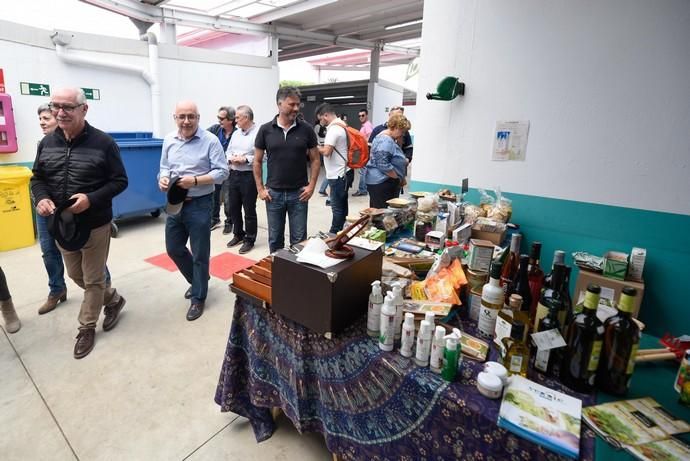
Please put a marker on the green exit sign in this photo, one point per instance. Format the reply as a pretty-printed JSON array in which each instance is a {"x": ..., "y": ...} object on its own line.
[
  {"x": 92, "y": 93},
  {"x": 34, "y": 89}
]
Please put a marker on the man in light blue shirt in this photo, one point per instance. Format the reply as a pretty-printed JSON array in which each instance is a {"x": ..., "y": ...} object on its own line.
[{"x": 195, "y": 159}]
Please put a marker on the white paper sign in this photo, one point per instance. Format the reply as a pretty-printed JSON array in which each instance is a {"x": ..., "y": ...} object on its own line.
[
  {"x": 314, "y": 252},
  {"x": 549, "y": 339},
  {"x": 510, "y": 140}
]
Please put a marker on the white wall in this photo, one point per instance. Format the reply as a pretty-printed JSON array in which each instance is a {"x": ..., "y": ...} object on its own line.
[
  {"x": 211, "y": 78},
  {"x": 385, "y": 96},
  {"x": 603, "y": 83}
]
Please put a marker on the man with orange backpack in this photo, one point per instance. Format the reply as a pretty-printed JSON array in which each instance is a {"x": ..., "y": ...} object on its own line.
[{"x": 335, "y": 159}]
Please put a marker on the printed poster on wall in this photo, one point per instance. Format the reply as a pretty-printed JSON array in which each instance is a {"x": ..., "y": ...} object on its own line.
[{"x": 510, "y": 140}]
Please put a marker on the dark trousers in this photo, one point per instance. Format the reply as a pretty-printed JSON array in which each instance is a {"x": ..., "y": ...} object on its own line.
[
  {"x": 193, "y": 224},
  {"x": 4, "y": 291},
  {"x": 338, "y": 198},
  {"x": 221, "y": 191},
  {"x": 380, "y": 193},
  {"x": 242, "y": 195}
]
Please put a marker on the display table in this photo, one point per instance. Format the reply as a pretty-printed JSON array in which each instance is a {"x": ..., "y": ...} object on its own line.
[{"x": 368, "y": 404}]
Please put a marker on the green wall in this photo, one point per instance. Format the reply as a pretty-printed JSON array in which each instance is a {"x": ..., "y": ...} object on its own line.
[{"x": 579, "y": 226}]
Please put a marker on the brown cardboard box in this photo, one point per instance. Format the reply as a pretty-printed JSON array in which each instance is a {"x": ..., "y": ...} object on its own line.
[
  {"x": 494, "y": 237},
  {"x": 324, "y": 300},
  {"x": 609, "y": 287}
]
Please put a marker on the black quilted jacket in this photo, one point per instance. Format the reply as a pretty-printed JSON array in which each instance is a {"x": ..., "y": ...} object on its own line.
[{"x": 90, "y": 164}]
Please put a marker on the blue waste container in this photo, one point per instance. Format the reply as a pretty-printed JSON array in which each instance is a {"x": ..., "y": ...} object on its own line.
[{"x": 141, "y": 156}]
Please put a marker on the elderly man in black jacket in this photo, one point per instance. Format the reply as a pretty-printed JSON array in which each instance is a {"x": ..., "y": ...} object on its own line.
[{"x": 81, "y": 163}]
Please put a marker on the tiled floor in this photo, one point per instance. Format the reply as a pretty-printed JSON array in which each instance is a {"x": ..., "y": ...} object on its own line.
[{"x": 146, "y": 390}]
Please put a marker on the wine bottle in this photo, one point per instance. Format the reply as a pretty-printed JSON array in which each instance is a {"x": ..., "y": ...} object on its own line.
[
  {"x": 510, "y": 266},
  {"x": 583, "y": 339},
  {"x": 520, "y": 284},
  {"x": 551, "y": 298},
  {"x": 567, "y": 299},
  {"x": 558, "y": 258},
  {"x": 547, "y": 361},
  {"x": 535, "y": 276},
  {"x": 621, "y": 340}
]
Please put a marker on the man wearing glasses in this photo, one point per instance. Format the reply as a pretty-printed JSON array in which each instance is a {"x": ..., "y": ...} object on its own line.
[
  {"x": 366, "y": 130},
  {"x": 223, "y": 129},
  {"x": 81, "y": 163},
  {"x": 191, "y": 159}
]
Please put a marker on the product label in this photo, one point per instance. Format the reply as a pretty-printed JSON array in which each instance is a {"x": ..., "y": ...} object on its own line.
[
  {"x": 542, "y": 311},
  {"x": 373, "y": 316},
  {"x": 436, "y": 360},
  {"x": 516, "y": 364},
  {"x": 549, "y": 339},
  {"x": 501, "y": 331},
  {"x": 406, "y": 343},
  {"x": 541, "y": 360},
  {"x": 386, "y": 335},
  {"x": 594, "y": 358},
  {"x": 487, "y": 320},
  {"x": 631, "y": 360},
  {"x": 475, "y": 305},
  {"x": 423, "y": 347},
  {"x": 682, "y": 373}
]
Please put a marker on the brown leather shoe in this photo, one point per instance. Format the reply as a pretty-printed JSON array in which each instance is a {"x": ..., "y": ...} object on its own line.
[
  {"x": 52, "y": 302},
  {"x": 112, "y": 314},
  {"x": 85, "y": 342}
]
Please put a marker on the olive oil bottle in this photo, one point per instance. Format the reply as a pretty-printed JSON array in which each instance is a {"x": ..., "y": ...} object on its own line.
[
  {"x": 517, "y": 357},
  {"x": 621, "y": 340},
  {"x": 547, "y": 361},
  {"x": 583, "y": 339}
]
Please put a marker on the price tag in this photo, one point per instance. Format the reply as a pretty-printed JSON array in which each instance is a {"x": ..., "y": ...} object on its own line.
[{"x": 547, "y": 340}]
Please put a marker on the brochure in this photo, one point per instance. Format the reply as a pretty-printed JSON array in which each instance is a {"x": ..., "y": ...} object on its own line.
[
  {"x": 641, "y": 426},
  {"x": 542, "y": 415}
]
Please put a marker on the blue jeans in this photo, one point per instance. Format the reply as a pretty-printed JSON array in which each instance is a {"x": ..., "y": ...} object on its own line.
[
  {"x": 324, "y": 186},
  {"x": 338, "y": 200},
  {"x": 286, "y": 201},
  {"x": 193, "y": 223},
  {"x": 52, "y": 259},
  {"x": 362, "y": 189}
]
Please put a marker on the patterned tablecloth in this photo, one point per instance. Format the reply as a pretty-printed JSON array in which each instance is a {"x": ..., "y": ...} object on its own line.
[{"x": 368, "y": 404}]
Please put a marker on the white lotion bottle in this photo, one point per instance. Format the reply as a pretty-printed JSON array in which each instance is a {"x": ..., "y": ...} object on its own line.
[
  {"x": 437, "y": 346},
  {"x": 374, "y": 311},
  {"x": 423, "y": 344},
  {"x": 407, "y": 338},
  {"x": 387, "y": 327}
]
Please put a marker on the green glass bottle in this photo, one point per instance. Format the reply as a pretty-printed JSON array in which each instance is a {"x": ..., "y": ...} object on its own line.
[
  {"x": 583, "y": 339},
  {"x": 621, "y": 340}
]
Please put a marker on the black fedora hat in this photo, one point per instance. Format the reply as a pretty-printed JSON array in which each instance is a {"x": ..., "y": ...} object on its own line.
[
  {"x": 68, "y": 228},
  {"x": 176, "y": 197}
]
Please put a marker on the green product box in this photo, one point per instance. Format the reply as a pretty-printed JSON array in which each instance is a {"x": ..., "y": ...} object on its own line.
[{"x": 615, "y": 265}]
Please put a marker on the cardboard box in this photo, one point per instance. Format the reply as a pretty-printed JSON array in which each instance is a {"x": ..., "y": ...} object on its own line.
[
  {"x": 462, "y": 233},
  {"x": 636, "y": 265},
  {"x": 494, "y": 237},
  {"x": 610, "y": 288},
  {"x": 480, "y": 254},
  {"x": 324, "y": 300},
  {"x": 615, "y": 265}
]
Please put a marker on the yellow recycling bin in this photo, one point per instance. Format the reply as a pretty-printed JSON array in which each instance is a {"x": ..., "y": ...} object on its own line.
[{"x": 16, "y": 212}]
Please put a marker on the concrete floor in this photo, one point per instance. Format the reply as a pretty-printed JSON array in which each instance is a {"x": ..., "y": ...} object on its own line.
[{"x": 146, "y": 390}]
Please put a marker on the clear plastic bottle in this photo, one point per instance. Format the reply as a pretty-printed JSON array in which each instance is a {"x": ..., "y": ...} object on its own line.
[
  {"x": 423, "y": 344},
  {"x": 387, "y": 327},
  {"x": 437, "y": 345},
  {"x": 407, "y": 338},
  {"x": 374, "y": 311},
  {"x": 398, "y": 303}
]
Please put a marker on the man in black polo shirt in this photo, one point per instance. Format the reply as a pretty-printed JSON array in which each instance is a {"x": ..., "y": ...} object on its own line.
[{"x": 286, "y": 141}]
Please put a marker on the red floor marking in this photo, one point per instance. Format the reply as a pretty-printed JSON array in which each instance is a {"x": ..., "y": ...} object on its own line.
[
  {"x": 163, "y": 261},
  {"x": 226, "y": 264}
]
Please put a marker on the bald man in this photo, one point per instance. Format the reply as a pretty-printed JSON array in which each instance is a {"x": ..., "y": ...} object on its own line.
[{"x": 194, "y": 159}]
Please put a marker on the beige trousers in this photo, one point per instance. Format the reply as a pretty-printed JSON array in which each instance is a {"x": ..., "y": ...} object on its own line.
[{"x": 86, "y": 267}]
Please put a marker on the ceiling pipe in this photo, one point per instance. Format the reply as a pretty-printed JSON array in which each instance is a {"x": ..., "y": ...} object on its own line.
[{"x": 62, "y": 40}]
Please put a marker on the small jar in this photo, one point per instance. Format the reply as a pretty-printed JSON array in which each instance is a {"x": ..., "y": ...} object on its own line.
[
  {"x": 489, "y": 385},
  {"x": 497, "y": 369}
]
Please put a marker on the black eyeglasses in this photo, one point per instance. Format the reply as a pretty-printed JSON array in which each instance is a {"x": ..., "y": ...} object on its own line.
[
  {"x": 362, "y": 115},
  {"x": 69, "y": 108}
]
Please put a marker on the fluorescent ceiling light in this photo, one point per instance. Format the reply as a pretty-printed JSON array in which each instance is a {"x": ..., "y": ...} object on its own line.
[
  {"x": 403, "y": 24},
  {"x": 329, "y": 98}
]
